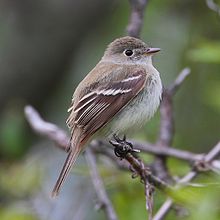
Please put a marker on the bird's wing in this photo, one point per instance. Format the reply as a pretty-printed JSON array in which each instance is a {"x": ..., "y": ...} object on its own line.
[{"x": 98, "y": 106}]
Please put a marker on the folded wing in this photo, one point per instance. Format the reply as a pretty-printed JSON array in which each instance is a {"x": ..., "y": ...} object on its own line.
[{"x": 98, "y": 107}]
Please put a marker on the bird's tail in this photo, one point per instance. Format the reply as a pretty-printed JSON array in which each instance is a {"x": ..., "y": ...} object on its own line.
[{"x": 70, "y": 160}]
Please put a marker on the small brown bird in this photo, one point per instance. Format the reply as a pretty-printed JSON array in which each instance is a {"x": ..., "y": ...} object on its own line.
[{"x": 122, "y": 92}]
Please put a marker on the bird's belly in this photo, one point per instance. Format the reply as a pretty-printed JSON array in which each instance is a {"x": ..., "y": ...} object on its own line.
[{"x": 138, "y": 112}]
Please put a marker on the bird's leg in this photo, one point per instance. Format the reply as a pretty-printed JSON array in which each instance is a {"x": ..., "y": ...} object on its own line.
[{"x": 122, "y": 147}]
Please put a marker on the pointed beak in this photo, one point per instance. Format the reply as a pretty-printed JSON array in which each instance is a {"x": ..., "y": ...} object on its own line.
[{"x": 151, "y": 50}]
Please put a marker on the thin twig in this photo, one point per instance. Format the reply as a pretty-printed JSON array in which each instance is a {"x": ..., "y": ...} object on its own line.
[
  {"x": 179, "y": 80},
  {"x": 166, "y": 110},
  {"x": 136, "y": 17},
  {"x": 214, "y": 152},
  {"x": 168, "y": 151},
  {"x": 166, "y": 133},
  {"x": 161, "y": 213},
  {"x": 124, "y": 150},
  {"x": 44, "y": 128},
  {"x": 213, "y": 6},
  {"x": 149, "y": 190},
  {"x": 144, "y": 172},
  {"x": 104, "y": 200},
  {"x": 61, "y": 139}
]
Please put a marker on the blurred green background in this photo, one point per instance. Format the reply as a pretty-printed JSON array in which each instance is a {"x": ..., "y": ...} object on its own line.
[{"x": 46, "y": 48}]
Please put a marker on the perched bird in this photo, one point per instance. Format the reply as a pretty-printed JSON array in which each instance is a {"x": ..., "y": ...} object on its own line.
[{"x": 122, "y": 92}]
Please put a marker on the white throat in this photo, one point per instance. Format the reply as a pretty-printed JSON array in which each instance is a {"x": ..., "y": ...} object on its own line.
[{"x": 145, "y": 62}]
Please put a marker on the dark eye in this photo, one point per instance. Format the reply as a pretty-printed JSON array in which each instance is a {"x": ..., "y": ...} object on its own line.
[{"x": 128, "y": 52}]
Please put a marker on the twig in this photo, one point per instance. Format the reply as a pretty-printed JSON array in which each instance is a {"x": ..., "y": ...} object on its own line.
[
  {"x": 136, "y": 17},
  {"x": 179, "y": 80},
  {"x": 124, "y": 150},
  {"x": 168, "y": 151},
  {"x": 144, "y": 172},
  {"x": 215, "y": 152},
  {"x": 104, "y": 200},
  {"x": 102, "y": 147},
  {"x": 167, "y": 123},
  {"x": 161, "y": 213},
  {"x": 213, "y": 6},
  {"x": 61, "y": 139},
  {"x": 166, "y": 110},
  {"x": 49, "y": 130},
  {"x": 149, "y": 190}
]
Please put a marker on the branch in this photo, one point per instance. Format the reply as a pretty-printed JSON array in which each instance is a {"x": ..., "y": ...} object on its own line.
[
  {"x": 214, "y": 152},
  {"x": 166, "y": 109},
  {"x": 61, "y": 139},
  {"x": 179, "y": 80},
  {"x": 124, "y": 150},
  {"x": 213, "y": 6},
  {"x": 166, "y": 133},
  {"x": 145, "y": 173},
  {"x": 46, "y": 129},
  {"x": 166, "y": 151},
  {"x": 136, "y": 17},
  {"x": 105, "y": 202}
]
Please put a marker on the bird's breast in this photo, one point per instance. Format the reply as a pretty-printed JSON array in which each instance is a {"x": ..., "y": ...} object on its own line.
[{"x": 140, "y": 109}]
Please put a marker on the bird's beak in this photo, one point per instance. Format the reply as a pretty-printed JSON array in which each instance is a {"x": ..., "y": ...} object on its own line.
[{"x": 151, "y": 50}]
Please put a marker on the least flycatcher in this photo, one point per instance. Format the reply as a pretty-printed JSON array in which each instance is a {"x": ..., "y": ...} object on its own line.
[{"x": 122, "y": 92}]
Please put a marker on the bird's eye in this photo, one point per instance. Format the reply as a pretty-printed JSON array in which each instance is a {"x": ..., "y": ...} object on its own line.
[{"x": 128, "y": 53}]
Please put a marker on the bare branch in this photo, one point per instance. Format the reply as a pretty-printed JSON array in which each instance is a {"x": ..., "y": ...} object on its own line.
[
  {"x": 179, "y": 80},
  {"x": 149, "y": 190},
  {"x": 168, "y": 151},
  {"x": 213, "y": 6},
  {"x": 166, "y": 110},
  {"x": 124, "y": 150},
  {"x": 49, "y": 130},
  {"x": 105, "y": 202},
  {"x": 167, "y": 123},
  {"x": 136, "y": 17},
  {"x": 104, "y": 148},
  {"x": 144, "y": 172},
  {"x": 59, "y": 136},
  {"x": 163, "y": 210},
  {"x": 214, "y": 152}
]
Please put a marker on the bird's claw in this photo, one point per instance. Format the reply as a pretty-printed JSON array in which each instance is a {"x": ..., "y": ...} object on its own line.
[{"x": 122, "y": 147}]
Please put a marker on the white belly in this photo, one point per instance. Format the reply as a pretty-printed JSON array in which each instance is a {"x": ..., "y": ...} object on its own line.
[{"x": 139, "y": 110}]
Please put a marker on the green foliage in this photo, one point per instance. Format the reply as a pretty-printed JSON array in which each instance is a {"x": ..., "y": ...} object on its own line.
[
  {"x": 206, "y": 52},
  {"x": 129, "y": 199},
  {"x": 201, "y": 200},
  {"x": 13, "y": 138},
  {"x": 19, "y": 180},
  {"x": 177, "y": 167},
  {"x": 212, "y": 91},
  {"x": 15, "y": 213}
]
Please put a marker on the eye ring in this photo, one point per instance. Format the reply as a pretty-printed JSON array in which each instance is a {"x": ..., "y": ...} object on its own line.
[{"x": 128, "y": 52}]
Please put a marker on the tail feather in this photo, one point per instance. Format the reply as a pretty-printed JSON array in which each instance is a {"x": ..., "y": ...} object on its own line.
[{"x": 70, "y": 160}]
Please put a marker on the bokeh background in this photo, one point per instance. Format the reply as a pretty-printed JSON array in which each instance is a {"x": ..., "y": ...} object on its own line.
[{"x": 46, "y": 48}]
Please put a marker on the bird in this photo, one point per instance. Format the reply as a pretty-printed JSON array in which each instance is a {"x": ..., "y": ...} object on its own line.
[{"x": 121, "y": 93}]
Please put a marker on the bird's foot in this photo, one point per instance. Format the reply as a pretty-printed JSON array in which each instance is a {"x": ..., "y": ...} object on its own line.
[{"x": 122, "y": 147}]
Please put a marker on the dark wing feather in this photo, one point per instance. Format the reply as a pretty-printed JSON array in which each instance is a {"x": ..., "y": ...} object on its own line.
[{"x": 98, "y": 107}]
